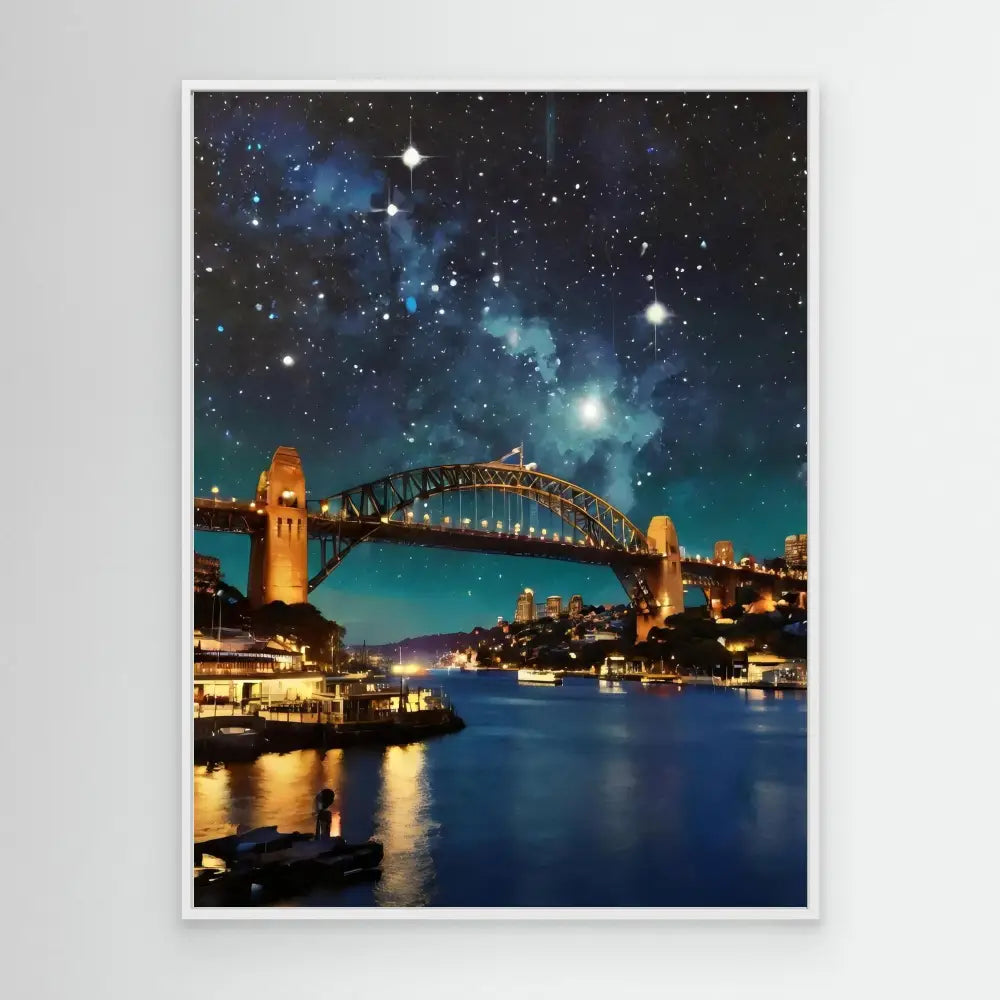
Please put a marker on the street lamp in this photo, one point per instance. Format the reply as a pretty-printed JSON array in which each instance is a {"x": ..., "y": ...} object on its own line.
[{"x": 217, "y": 596}]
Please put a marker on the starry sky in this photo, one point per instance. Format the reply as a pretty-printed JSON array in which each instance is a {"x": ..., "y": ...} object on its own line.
[{"x": 616, "y": 280}]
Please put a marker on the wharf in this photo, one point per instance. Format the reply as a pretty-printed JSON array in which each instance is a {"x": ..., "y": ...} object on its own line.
[{"x": 276, "y": 731}]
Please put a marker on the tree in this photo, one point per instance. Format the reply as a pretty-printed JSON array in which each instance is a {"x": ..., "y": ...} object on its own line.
[
  {"x": 226, "y": 601},
  {"x": 304, "y": 625}
]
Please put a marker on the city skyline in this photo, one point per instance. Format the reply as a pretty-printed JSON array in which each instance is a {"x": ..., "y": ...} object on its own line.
[{"x": 632, "y": 309}]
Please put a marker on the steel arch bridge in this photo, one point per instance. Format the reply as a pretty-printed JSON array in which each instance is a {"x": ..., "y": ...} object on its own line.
[
  {"x": 280, "y": 524},
  {"x": 384, "y": 502}
]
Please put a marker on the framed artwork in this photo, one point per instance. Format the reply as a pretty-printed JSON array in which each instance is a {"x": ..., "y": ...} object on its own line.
[{"x": 499, "y": 420}]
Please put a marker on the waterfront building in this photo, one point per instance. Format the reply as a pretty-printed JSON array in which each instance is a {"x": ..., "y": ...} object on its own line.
[
  {"x": 233, "y": 668},
  {"x": 795, "y": 551},
  {"x": 724, "y": 553},
  {"x": 207, "y": 572},
  {"x": 766, "y": 668},
  {"x": 230, "y": 650},
  {"x": 553, "y": 606},
  {"x": 525, "y": 611},
  {"x": 576, "y": 606},
  {"x": 620, "y": 665}
]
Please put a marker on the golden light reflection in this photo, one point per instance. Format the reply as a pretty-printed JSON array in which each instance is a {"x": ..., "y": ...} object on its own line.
[
  {"x": 211, "y": 803},
  {"x": 404, "y": 825},
  {"x": 408, "y": 669},
  {"x": 274, "y": 790}
]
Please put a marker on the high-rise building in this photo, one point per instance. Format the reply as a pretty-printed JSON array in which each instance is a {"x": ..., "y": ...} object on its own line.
[
  {"x": 525, "y": 611},
  {"x": 724, "y": 552},
  {"x": 553, "y": 606},
  {"x": 795, "y": 551},
  {"x": 206, "y": 574},
  {"x": 576, "y": 606}
]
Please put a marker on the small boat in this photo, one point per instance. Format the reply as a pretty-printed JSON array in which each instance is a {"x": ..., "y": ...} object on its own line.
[
  {"x": 527, "y": 675},
  {"x": 263, "y": 865},
  {"x": 235, "y": 743}
]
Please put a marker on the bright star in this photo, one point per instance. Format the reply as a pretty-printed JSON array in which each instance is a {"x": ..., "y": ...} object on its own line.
[
  {"x": 657, "y": 313},
  {"x": 391, "y": 210},
  {"x": 411, "y": 158},
  {"x": 288, "y": 361},
  {"x": 591, "y": 410}
]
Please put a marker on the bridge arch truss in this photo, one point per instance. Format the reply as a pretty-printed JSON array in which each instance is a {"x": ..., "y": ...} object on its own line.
[{"x": 589, "y": 515}]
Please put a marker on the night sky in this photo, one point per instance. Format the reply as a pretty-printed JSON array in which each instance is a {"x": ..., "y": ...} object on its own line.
[{"x": 504, "y": 298}]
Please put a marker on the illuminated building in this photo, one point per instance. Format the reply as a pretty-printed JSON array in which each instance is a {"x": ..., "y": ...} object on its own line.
[
  {"x": 232, "y": 667},
  {"x": 724, "y": 552},
  {"x": 206, "y": 574},
  {"x": 553, "y": 606},
  {"x": 576, "y": 606},
  {"x": 525, "y": 606},
  {"x": 795, "y": 551}
]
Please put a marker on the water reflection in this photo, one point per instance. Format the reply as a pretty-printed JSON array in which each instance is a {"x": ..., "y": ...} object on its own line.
[
  {"x": 610, "y": 687},
  {"x": 404, "y": 825},
  {"x": 273, "y": 790},
  {"x": 667, "y": 796}
]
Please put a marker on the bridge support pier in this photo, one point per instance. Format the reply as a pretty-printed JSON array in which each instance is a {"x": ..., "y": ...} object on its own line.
[
  {"x": 279, "y": 565},
  {"x": 665, "y": 582},
  {"x": 720, "y": 597},
  {"x": 765, "y": 601}
]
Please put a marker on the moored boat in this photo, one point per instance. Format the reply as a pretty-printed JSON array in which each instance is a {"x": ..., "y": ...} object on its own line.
[
  {"x": 235, "y": 743},
  {"x": 527, "y": 675}
]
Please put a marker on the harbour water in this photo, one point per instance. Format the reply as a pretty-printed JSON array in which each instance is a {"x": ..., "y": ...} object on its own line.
[{"x": 588, "y": 794}]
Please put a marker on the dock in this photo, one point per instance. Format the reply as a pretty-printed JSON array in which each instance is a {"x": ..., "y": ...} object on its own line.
[{"x": 277, "y": 730}]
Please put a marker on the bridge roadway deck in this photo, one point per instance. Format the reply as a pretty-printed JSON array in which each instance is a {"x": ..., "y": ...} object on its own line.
[{"x": 240, "y": 518}]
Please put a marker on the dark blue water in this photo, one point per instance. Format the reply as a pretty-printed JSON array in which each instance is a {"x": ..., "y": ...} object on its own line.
[{"x": 580, "y": 795}]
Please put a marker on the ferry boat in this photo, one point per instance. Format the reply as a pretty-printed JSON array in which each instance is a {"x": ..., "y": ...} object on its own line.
[{"x": 528, "y": 676}]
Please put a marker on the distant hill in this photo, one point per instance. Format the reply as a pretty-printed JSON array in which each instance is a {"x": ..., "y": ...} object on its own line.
[
  {"x": 446, "y": 642},
  {"x": 431, "y": 645}
]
